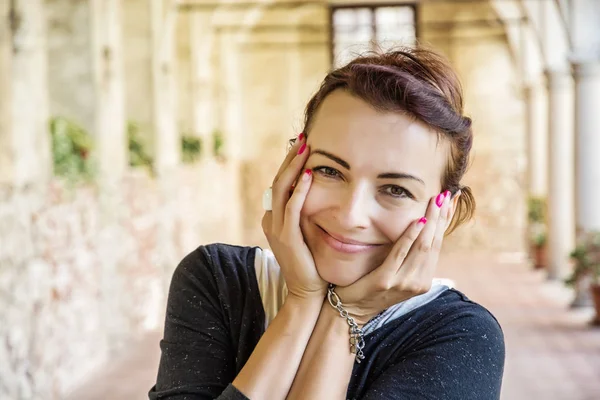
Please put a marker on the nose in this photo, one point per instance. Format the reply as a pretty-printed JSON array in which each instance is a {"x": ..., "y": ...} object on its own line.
[{"x": 354, "y": 208}]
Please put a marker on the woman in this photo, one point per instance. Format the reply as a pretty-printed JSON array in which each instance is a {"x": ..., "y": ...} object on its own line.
[{"x": 346, "y": 305}]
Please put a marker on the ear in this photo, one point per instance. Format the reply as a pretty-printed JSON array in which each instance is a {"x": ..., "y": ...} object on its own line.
[{"x": 453, "y": 207}]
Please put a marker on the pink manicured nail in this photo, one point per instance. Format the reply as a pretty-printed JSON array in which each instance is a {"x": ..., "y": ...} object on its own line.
[
  {"x": 423, "y": 221},
  {"x": 301, "y": 137},
  {"x": 439, "y": 200},
  {"x": 302, "y": 148},
  {"x": 447, "y": 194},
  {"x": 307, "y": 174}
]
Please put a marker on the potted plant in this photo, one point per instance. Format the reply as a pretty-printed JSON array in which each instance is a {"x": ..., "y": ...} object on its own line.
[
  {"x": 537, "y": 231},
  {"x": 586, "y": 272}
]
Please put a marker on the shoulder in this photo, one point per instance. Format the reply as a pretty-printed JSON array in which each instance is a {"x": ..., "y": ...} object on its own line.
[
  {"x": 456, "y": 308},
  {"x": 453, "y": 322},
  {"x": 217, "y": 259},
  {"x": 448, "y": 322},
  {"x": 220, "y": 272}
]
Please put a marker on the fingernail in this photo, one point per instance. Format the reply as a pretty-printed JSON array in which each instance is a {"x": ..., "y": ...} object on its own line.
[
  {"x": 307, "y": 174},
  {"x": 422, "y": 221},
  {"x": 439, "y": 200},
  {"x": 301, "y": 136},
  {"x": 447, "y": 193},
  {"x": 302, "y": 148}
]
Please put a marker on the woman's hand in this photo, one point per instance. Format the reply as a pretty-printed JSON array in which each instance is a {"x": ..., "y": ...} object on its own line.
[
  {"x": 282, "y": 226},
  {"x": 409, "y": 268}
]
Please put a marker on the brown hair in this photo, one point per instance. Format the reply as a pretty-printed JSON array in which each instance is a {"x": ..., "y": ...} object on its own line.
[{"x": 422, "y": 84}]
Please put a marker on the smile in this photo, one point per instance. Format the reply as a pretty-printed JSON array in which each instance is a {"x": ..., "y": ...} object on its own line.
[{"x": 344, "y": 245}]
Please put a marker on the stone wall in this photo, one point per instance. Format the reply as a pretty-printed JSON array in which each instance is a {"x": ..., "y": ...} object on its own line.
[{"x": 64, "y": 310}]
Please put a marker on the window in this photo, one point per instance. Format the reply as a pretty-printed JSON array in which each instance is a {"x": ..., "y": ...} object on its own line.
[{"x": 356, "y": 29}]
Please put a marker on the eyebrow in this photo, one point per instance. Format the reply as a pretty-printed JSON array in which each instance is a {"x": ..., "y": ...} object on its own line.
[{"x": 386, "y": 175}]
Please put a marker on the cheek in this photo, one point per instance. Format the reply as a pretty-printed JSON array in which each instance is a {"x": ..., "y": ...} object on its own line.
[
  {"x": 393, "y": 223},
  {"x": 317, "y": 199}
]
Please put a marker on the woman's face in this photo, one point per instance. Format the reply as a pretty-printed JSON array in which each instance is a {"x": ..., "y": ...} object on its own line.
[{"x": 373, "y": 174}]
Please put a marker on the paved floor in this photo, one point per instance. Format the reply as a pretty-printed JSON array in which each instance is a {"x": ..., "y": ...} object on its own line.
[{"x": 552, "y": 352}]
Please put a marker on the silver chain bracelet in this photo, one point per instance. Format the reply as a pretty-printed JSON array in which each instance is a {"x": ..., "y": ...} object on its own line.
[{"x": 357, "y": 341}]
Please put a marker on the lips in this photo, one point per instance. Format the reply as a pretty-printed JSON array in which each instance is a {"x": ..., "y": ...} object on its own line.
[{"x": 345, "y": 245}]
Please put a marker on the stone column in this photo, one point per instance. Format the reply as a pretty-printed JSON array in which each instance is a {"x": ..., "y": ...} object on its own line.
[
  {"x": 6, "y": 156},
  {"x": 537, "y": 136},
  {"x": 109, "y": 133},
  {"x": 163, "y": 16},
  {"x": 25, "y": 88},
  {"x": 587, "y": 134},
  {"x": 561, "y": 216},
  {"x": 109, "y": 86},
  {"x": 167, "y": 150},
  {"x": 201, "y": 46}
]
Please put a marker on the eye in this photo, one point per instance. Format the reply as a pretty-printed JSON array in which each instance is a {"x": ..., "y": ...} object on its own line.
[
  {"x": 327, "y": 172},
  {"x": 397, "y": 191}
]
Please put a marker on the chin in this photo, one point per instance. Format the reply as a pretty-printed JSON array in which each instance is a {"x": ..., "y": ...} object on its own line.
[
  {"x": 338, "y": 273},
  {"x": 344, "y": 270}
]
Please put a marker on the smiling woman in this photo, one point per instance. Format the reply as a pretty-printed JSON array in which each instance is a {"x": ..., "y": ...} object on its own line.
[{"x": 358, "y": 212}]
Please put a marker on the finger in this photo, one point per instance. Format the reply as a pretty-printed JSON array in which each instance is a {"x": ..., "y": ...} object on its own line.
[
  {"x": 442, "y": 224},
  {"x": 401, "y": 248},
  {"x": 267, "y": 223},
  {"x": 425, "y": 239},
  {"x": 296, "y": 202},
  {"x": 419, "y": 252},
  {"x": 425, "y": 255},
  {"x": 281, "y": 187},
  {"x": 290, "y": 155}
]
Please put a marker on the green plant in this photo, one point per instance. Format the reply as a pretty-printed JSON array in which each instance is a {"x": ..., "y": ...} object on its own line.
[
  {"x": 191, "y": 148},
  {"x": 536, "y": 207},
  {"x": 586, "y": 256},
  {"x": 218, "y": 144},
  {"x": 536, "y": 214},
  {"x": 539, "y": 239},
  {"x": 71, "y": 151},
  {"x": 138, "y": 154}
]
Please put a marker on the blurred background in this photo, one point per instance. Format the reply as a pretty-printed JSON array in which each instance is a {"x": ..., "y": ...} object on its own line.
[{"x": 132, "y": 131}]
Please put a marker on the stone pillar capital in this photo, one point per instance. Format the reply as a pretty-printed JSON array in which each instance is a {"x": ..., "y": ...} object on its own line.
[
  {"x": 557, "y": 78},
  {"x": 583, "y": 69}
]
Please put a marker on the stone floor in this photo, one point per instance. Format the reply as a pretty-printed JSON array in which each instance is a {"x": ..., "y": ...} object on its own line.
[{"x": 552, "y": 352}]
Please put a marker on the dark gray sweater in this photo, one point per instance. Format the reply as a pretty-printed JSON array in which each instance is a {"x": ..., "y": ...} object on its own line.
[{"x": 449, "y": 348}]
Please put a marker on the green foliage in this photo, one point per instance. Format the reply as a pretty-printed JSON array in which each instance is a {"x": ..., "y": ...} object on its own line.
[
  {"x": 218, "y": 144},
  {"x": 191, "y": 148},
  {"x": 586, "y": 256},
  {"x": 138, "y": 153},
  {"x": 539, "y": 240},
  {"x": 71, "y": 151},
  {"x": 536, "y": 207}
]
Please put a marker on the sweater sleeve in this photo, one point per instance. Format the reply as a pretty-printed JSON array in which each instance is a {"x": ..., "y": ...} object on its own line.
[
  {"x": 212, "y": 324},
  {"x": 460, "y": 359}
]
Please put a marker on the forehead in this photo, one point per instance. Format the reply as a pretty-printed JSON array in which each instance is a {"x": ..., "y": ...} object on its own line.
[{"x": 374, "y": 141}]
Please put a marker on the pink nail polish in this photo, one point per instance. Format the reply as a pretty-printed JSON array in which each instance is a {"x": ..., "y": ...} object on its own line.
[
  {"x": 302, "y": 148},
  {"x": 301, "y": 137},
  {"x": 307, "y": 174},
  {"x": 423, "y": 221},
  {"x": 439, "y": 200},
  {"x": 447, "y": 193}
]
